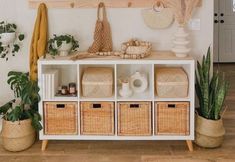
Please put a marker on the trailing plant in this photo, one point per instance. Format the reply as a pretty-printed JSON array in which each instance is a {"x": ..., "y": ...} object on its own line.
[
  {"x": 14, "y": 46},
  {"x": 27, "y": 92},
  {"x": 211, "y": 90},
  {"x": 56, "y": 42}
]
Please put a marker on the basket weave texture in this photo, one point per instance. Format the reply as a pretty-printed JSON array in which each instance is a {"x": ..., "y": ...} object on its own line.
[
  {"x": 172, "y": 118},
  {"x": 97, "y": 118},
  {"x": 171, "y": 82},
  {"x": 60, "y": 118},
  {"x": 97, "y": 82},
  {"x": 18, "y": 135},
  {"x": 134, "y": 119}
]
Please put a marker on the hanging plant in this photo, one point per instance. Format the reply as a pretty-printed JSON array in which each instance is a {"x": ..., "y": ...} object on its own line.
[
  {"x": 9, "y": 39},
  {"x": 62, "y": 45}
]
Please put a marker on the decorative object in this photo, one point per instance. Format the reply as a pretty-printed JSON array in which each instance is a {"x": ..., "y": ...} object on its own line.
[
  {"x": 171, "y": 82},
  {"x": 183, "y": 11},
  {"x": 20, "y": 118},
  {"x": 97, "y": 118},
  {"x": 39, "y": 40},
  {"x": 60, "y": 118},
  {"x": 139, "y": 82},
  {"x": 134, "y": 119},
  {"x": 9, "y": 39},
  {"x": 135, "y": 49},
  {"x": 62, "y": 45},
  {"x": 72, "y": 88},
  {"x": 64, "y": 90},
  {"x": 125, "y": 91},
  {"x": 211, "y": 92},
  {"x": 102, "y": 35},
  {"x": 172, "y": 118},
  {"x": 97, "y": 82},
  {"x": 158, "y": 17}
]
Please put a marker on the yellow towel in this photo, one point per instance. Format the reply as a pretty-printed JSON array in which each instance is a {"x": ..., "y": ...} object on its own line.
[{"x": 39, "y": 40}]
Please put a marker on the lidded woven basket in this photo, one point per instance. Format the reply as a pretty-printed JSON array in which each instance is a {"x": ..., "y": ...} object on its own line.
[
  {"x": 171, "y": 82},
  {"x": 97, "y": 82}
]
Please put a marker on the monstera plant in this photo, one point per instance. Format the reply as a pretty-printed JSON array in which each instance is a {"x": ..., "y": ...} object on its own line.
[{"x": 21, "y": 119}]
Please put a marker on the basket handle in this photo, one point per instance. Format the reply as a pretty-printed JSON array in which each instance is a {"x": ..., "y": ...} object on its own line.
[
  {"x": 171, "y": 106},
  {"x": 60, "y": 106},
  {"x": 134, "y": 106},
  {"x": 96, "y": 106}
]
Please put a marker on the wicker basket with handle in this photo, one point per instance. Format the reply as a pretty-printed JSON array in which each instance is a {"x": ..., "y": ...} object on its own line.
[
  {"x": 97, "y": 82},
  {"x": 134, "y": 119},
  {"x": 172, "y": 118},
  {"x": 171, "y": 82},
  {"x": 97, "y": 118},
  {"x": 60, "y": 118}
]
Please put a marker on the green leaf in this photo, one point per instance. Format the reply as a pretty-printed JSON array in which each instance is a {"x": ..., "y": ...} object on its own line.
[{"x": 21, "y": 37}]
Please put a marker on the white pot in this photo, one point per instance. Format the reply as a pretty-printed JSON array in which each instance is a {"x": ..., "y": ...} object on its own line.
[
  {"x": 139, "y": 82},
  {"x": 125, "y": 91},
  {"x": 64, "y": 49},
  {"x": 7, "y": 38}
]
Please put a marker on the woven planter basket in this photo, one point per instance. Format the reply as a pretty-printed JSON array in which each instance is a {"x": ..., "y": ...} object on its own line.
[
  {"x": 171, "y": 82},
  {"x": 97, "y": 82},
  {"x": 17, "y": 136},
  {"x": 97, "y": 118},
  {"x": 209, "y": 133},
  {"x": 172, "y": 118},
  {"x": 134, "y": 119}
]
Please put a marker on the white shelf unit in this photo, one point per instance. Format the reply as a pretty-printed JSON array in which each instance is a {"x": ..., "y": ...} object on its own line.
[{"x": 122, "y": 67}]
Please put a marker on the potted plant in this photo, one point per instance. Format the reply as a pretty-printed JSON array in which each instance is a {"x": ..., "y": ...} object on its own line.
[
  {"x": 9, "y": 39},
  {"x": 211, "y": 92},
  {"x": 62, "y": 45},
  {"x": 21, "y": 119}
]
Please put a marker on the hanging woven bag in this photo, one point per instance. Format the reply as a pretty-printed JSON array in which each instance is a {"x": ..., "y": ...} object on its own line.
[{"x": 102, "y": 35}]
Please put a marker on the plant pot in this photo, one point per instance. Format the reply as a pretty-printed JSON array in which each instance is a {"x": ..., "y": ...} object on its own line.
[
  {"x": 7, "y": 38},
  {"x": 17, "y": 136},
  {"x": 64, "y": 49},
  {"x": 209, "y": 133}
]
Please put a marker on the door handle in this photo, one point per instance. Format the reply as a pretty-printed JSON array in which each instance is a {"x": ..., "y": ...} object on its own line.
[{"x": 221, "y": 21}]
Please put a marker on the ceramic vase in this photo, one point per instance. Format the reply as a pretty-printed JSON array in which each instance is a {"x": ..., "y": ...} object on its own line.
[
  {"x": 181, "y": 43},
  {"x": 138, "y": 82},
  {"x": 125, "y": 91}
]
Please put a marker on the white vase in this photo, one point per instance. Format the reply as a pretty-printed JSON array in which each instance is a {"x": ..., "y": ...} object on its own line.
[
  {"x": 64, "y": 48},
  {"x": 139, "y": 82},
  {"x": 181, "y": 42},
  {"x": 7, "y": 38},
  {"x": 125, "y": 91}
]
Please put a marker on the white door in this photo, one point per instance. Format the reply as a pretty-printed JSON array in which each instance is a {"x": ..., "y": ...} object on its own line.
[{"x": 226, "y": 28}]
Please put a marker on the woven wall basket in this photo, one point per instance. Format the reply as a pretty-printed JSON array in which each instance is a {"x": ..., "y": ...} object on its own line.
[{"x": 17, "y": 136}]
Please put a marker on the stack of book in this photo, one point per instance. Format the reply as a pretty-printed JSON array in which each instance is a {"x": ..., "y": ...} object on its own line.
[{"x": 50, "y": 83}]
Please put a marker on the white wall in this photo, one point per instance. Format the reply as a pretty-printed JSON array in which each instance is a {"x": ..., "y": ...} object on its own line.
[{"x": 125, "y": 23}]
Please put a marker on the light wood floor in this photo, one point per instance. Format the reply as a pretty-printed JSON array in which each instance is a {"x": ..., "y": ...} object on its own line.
[{"x": 131, "y": 151}]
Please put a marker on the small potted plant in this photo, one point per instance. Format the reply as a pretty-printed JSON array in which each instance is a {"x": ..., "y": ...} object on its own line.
[
  {"x": 211, "y": 92},
  {"x": 9, "y": 39},
  {"x": 62, "y": 45},
  {"x": 21, "y": 119}
]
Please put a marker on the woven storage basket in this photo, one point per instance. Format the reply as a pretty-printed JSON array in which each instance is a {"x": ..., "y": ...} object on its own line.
[
  {"x": 172, "y": 118},
  {"x": 97, "y": 118},
  {"x": 97, "y": 82},
  {"x": 60, "y": 118},
  {"x": 18, "y": 135},
  {"x": 171, "y": 82},
  {"x": 134, "y": 119}
]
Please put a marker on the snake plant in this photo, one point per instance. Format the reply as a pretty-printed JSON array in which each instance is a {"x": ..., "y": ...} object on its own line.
[{"x": 211, "y": 90}]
